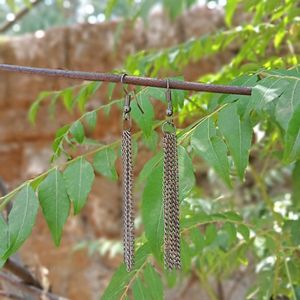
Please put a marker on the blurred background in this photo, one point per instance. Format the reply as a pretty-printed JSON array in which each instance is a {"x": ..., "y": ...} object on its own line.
[{"x": 98, "y": 36}]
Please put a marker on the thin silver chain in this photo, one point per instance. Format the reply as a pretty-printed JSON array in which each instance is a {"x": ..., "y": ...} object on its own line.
[
  {"x": 128, "y": 215},
  {"x": 171, "y": 203}
]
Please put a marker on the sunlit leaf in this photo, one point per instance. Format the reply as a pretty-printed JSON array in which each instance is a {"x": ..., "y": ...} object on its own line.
[
  {"x": 21, "y": 219},
  {"x": 104, "y": 163},
  {"x": 212, "y": 148},
  {"x": 55, "y": 203},
  {"x": 152, "y": 210},
  {"x": 79, "y": 177},
  {"x": 238, "y": 135}
]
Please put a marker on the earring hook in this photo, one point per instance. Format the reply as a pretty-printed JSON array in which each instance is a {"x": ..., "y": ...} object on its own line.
[
  {"x": 127, "y": 101},
  {"x": 169, "y": 111}
]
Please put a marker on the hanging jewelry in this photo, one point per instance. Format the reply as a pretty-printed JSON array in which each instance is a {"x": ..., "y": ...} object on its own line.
[
  {"x": 128, "y": 215},
  {"x": 171, "y": 190}
]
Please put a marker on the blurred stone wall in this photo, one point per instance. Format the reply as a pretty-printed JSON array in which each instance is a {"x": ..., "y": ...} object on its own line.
[{"x": 25, "y": 150}]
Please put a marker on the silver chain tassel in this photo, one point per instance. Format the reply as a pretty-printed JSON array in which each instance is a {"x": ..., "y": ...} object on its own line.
[
  {"x": 171, "y": 203},
  {"x": 128, "y": 216}
]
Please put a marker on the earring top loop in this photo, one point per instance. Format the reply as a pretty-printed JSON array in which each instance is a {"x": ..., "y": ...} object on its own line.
[{"x": 169, "y": 111}]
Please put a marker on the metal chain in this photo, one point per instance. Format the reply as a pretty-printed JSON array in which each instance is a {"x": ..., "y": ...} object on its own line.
[
  {"x": 128, "y": 215},
  {"x": 171, "y": 203}
]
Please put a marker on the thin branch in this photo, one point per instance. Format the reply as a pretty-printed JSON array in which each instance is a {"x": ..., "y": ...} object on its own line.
[
  {"x": 20, "y": 271},
  {"x": 22, "y": 13},
  {"x": 33, "y": 291},
  {"x": 11, "y": 296}
]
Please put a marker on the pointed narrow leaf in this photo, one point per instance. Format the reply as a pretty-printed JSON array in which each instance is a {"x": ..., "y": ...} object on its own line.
[
  {"x": 55, "y": 203},
  {"x": 149, "y": 166},
  {"x": 152, "y": 210},
  {"x": 79, "y": 177},
  {"x": 144, "y": 120},
  {"x": 104, "y": 163},
  {"x": 121, "y": 279},
  {"x": 292, "y": 138},
  {"x": 3, "y": 236},
  {"x": 186, "y": 173},
  {"x": 296, "y": 185},
  {"x": 21, "y": 219},
  {"x": 211, "y": 148},
  {"x": 230, "y": 9},
  {"x": 91, "y": 119},
  {"x": 139, "y": 291},
  {"x": 186, "y": 255},
  {"x": 238, "y": 135},
  {"x": 67, "y": 96},
  {"x": 77, "y": 131},
  {"x": 265, "y": 91},
  {"x": 210, "y": 234},
  {"x": 153, "y": 282},
  {"x": 287, "y": 104}
]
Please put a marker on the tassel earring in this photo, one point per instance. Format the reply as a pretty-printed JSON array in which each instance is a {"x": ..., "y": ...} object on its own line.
[
  {"x": 128, "y": 214},
  {"x": 171, "y": 190}
]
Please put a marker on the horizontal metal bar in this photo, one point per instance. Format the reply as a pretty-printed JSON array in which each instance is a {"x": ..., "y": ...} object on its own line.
[{"x": 143, "y": 81}]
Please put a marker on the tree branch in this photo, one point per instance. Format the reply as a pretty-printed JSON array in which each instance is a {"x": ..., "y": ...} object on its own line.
[
  {"x": 20, "y": 271},
  {"x": 11, "y": 296},
  {"x": 23, "y": 12},
  {"x": 30, "y": 290}
]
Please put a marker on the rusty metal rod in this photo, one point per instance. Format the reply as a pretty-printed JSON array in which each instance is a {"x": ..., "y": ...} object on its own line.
[{"x": 143, "y": 81}]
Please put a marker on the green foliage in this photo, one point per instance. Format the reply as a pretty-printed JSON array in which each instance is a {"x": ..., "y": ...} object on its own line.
[
  {"x": 79, "y": 177},
  {"x": 104, "y": 163},
  {"x": 55, "y": 203},
  {"x": 254, "y": 139},
  {"x": 212, "y": 148}
]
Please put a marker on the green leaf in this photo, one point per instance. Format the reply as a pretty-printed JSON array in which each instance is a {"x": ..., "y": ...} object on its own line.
[
  {"x": 210, "y": 234},
  {"x": 121, "y": 279},
  {"x": 144, "y": 120},
  {"x": 21, "y": 219},
  {"x": 67, "y": 96},
  {"x": 3, "y": 237},
  {"x": 85, "y": 93},
  {"x": 152, "y": 210},
  {"x": 33, "y": 110},
  {"x": 55, "y": 203},
  {"x": 138, "y": 289},
  {"x": 288, "y": 103},
  {"x": 212, "y": 148},
  {"x": 197, "y": 239},
  {"x": 77, "y": 131},
  {"x": 151, "y": 141},
  {"x": 186, "y": 255},
  {"x": 244, "y": 231},
  {"x": 295, "y": 232},
  {"x": 149, "y": 166},
  {"x": 186, "y": 173},
  {"x": 292, "y": 138},
  {"x": 238, "y": 135},
  {"x": 109, "y": 8},
  {"x": 230, "y": 229},
  {"x": 265, "y": 91},
  {"x": 104, "y": 163},
  {"x": 296, "y": 185},
  {"x": 153, "y": 282},
  {"x": 59, "y": 137},
  {"x": 79, "y": 177},
  {"x": 91, "y": 119},
  {"x": 230, "y": 9}
]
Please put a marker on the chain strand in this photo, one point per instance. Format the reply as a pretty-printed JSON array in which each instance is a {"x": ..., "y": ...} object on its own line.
[
  {"x": 128, "y": 216},
  {"x": 171, "y": 203}
]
